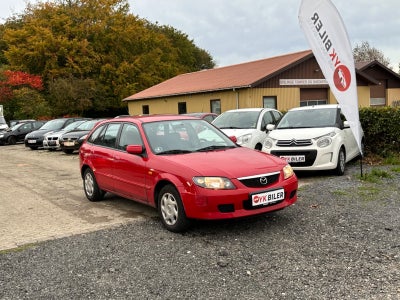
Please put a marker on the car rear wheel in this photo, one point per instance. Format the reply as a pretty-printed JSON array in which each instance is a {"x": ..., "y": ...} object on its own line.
[
  {"x": 341, "y": 162},
  {"x": 171, "y": 211},
  {"x": 12, "y": 140},
  {"x": 92, "y": 190}
]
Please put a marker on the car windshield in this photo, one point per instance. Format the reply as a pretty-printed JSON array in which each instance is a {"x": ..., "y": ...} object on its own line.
[
  {"x": 56, "y": 124},
  {"x": 87, "y": 125},
  {"x": 185, "y": 136},
  {"x": 237, "y": 120},
  {"x": 309, "y": 118},
  {"x": 16, "y": 126},
  {"x": 73, "y": 125}
]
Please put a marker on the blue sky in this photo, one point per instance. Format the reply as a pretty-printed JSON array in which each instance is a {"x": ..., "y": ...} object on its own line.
[{"x": 236, "y": 31}]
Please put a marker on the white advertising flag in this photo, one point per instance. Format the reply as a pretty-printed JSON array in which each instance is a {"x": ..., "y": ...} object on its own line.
[{"x": 327, "y": 36}]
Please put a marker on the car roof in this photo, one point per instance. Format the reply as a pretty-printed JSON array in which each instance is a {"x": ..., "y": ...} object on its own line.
[
  {"x": 315, "y": 107},
  {"x": 151, "y": 118},
  {"x": 250, "y": 109}
]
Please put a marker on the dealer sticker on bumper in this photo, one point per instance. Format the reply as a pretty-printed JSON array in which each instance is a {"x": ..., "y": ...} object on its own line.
[{"x": 268, "y": 197}]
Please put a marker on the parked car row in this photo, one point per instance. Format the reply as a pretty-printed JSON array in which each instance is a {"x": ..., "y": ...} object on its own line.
[
  {"x": 18, "y": 131},
  {"x": 310, "y": 138}
]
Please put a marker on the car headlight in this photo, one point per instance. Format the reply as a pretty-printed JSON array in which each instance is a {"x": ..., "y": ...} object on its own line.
[
  {"x": 1, "y": 136},
  {"x": 214, "y": 183},
  {"x": 244, "y": 139},
  {"x": 325, "y": 140},
  {"x": 287, "y": 172},
  {"x": 82, "y": 138},
  {"x": 268, "y": 143}
]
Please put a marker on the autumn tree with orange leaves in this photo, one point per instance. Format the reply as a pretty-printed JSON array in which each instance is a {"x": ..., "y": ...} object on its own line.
[{"x": 20, "y": 95}]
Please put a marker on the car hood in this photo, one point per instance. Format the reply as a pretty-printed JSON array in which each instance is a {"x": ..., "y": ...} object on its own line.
[
  {"x": 39, "y": 133},
  {"x": 75, "y": 133},
  {"x": 237, "y": 132},
  {"x": 300, "y": 133},
  {"x": 220, "y": 162}
]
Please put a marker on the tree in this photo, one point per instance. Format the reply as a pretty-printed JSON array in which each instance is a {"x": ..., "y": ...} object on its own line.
[
  {"x": 366, "y": 53},
  {"x": 20, "y": 95},
  {"x": 96, "y": 41}
]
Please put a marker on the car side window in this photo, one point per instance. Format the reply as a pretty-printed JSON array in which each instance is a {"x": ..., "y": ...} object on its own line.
[
  {"x": 95, "y": 137},
  {"x": 129, "y": 136},
  {"x": 110, "y": 135},
  {"x": 26, "y": 126},
  {"x": 267, "y": 119},
  {"x": 277, "y": 116}
]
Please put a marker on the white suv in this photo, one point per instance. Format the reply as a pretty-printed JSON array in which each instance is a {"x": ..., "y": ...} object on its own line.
[
  {"x": 313, "y": 138},
  {"x": 248, "y": 125}
]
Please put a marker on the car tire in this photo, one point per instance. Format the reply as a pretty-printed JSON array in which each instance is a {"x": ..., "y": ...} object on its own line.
[
  {"x": 341, "y": 162},
  {"x": 92, "y": 190},
  {"x": 171, "y": 210},
  {"x": 12, "y": 140}
]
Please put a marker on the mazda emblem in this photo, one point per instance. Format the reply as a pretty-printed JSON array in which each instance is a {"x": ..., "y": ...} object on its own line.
[{"x": 263, "y": 180}]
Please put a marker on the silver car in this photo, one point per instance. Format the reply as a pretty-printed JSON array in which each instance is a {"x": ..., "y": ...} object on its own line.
[{"x": 51, "y": 139}]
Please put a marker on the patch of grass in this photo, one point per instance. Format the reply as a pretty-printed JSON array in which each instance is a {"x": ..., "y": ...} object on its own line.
[
  {"x": 339, "y": 193},
  {"x": 395, "y": 169},
  {"x": 392, "y": 159},
  {"x": 368, "y": 193},
  {"x": 18, "y": 249},
  {"x": 375, "y": 175}
]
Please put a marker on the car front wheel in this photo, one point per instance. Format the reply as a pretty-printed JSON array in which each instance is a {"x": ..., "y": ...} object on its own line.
[
  {"x": 341, "y": 162},
  {"x": 171, "y": 211},
  {"x": 92, "y": 190},
  {"x": 12, "y": 140}
]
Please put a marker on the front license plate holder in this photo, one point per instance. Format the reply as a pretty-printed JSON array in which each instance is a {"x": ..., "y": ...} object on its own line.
[
  {"x": 294, "y": 158},
  {"x": 267, "y": 197}
]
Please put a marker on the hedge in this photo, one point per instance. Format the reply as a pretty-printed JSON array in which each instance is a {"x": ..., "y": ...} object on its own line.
[{"x": 381, "y": 129}]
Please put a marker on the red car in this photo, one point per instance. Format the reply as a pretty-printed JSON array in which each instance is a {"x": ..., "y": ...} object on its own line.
[{"x": 184, "y": 167}]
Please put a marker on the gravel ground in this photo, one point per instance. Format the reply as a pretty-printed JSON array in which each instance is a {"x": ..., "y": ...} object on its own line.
[{"x": 341, "y": 240}]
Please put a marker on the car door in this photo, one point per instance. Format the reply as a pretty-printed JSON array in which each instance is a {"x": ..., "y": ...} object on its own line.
[
  {"x": 102, "y": 154},
  {"x": 350, "y": 142},
  {"x": 130, "y": 169},
  {"x": 23, "y": 130}
]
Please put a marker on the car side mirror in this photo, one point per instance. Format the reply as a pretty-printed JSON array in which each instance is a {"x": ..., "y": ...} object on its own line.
[
  {"x": 346, "y": 124},
  {"x": 270, "y": 127},
  {"x": 134, "y": 149}
]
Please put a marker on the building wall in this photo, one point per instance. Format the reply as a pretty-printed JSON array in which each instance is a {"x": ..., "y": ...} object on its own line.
[
  {"x": 287, "y": 98},
  {"x": 393, "y": 97}
]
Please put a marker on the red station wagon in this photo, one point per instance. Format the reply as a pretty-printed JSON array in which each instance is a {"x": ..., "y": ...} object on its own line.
[{"x": 184, "y": 167}]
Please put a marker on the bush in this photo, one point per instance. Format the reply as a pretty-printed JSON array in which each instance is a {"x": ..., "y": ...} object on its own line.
[{"x": 381, "y": 129}]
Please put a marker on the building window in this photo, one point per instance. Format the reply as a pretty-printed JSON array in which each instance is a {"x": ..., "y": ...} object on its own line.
[
  {"x": 215, "y": 106},
  {"x": 269, "y": 102},
  {"x": 312, "y": 102},
  {"x": 182, "y": 108},
  {"x": 377, "y": 101},
  {"x": 145, "y": 110}
]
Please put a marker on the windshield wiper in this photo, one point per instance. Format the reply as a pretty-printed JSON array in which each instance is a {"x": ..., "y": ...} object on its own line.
[
  {"x": 294, "y": 127},
  {"x": 230, "y": 127},
  {"x": 214, "y": 147},
  {"x": 175, "y": 151}
]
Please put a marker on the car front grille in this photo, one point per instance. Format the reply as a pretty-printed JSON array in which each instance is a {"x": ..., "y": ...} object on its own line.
[
  {"x": 260, "y": 180},
  {"x": 309, "y": 155},
  {"x": 294, "y": 143}
]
